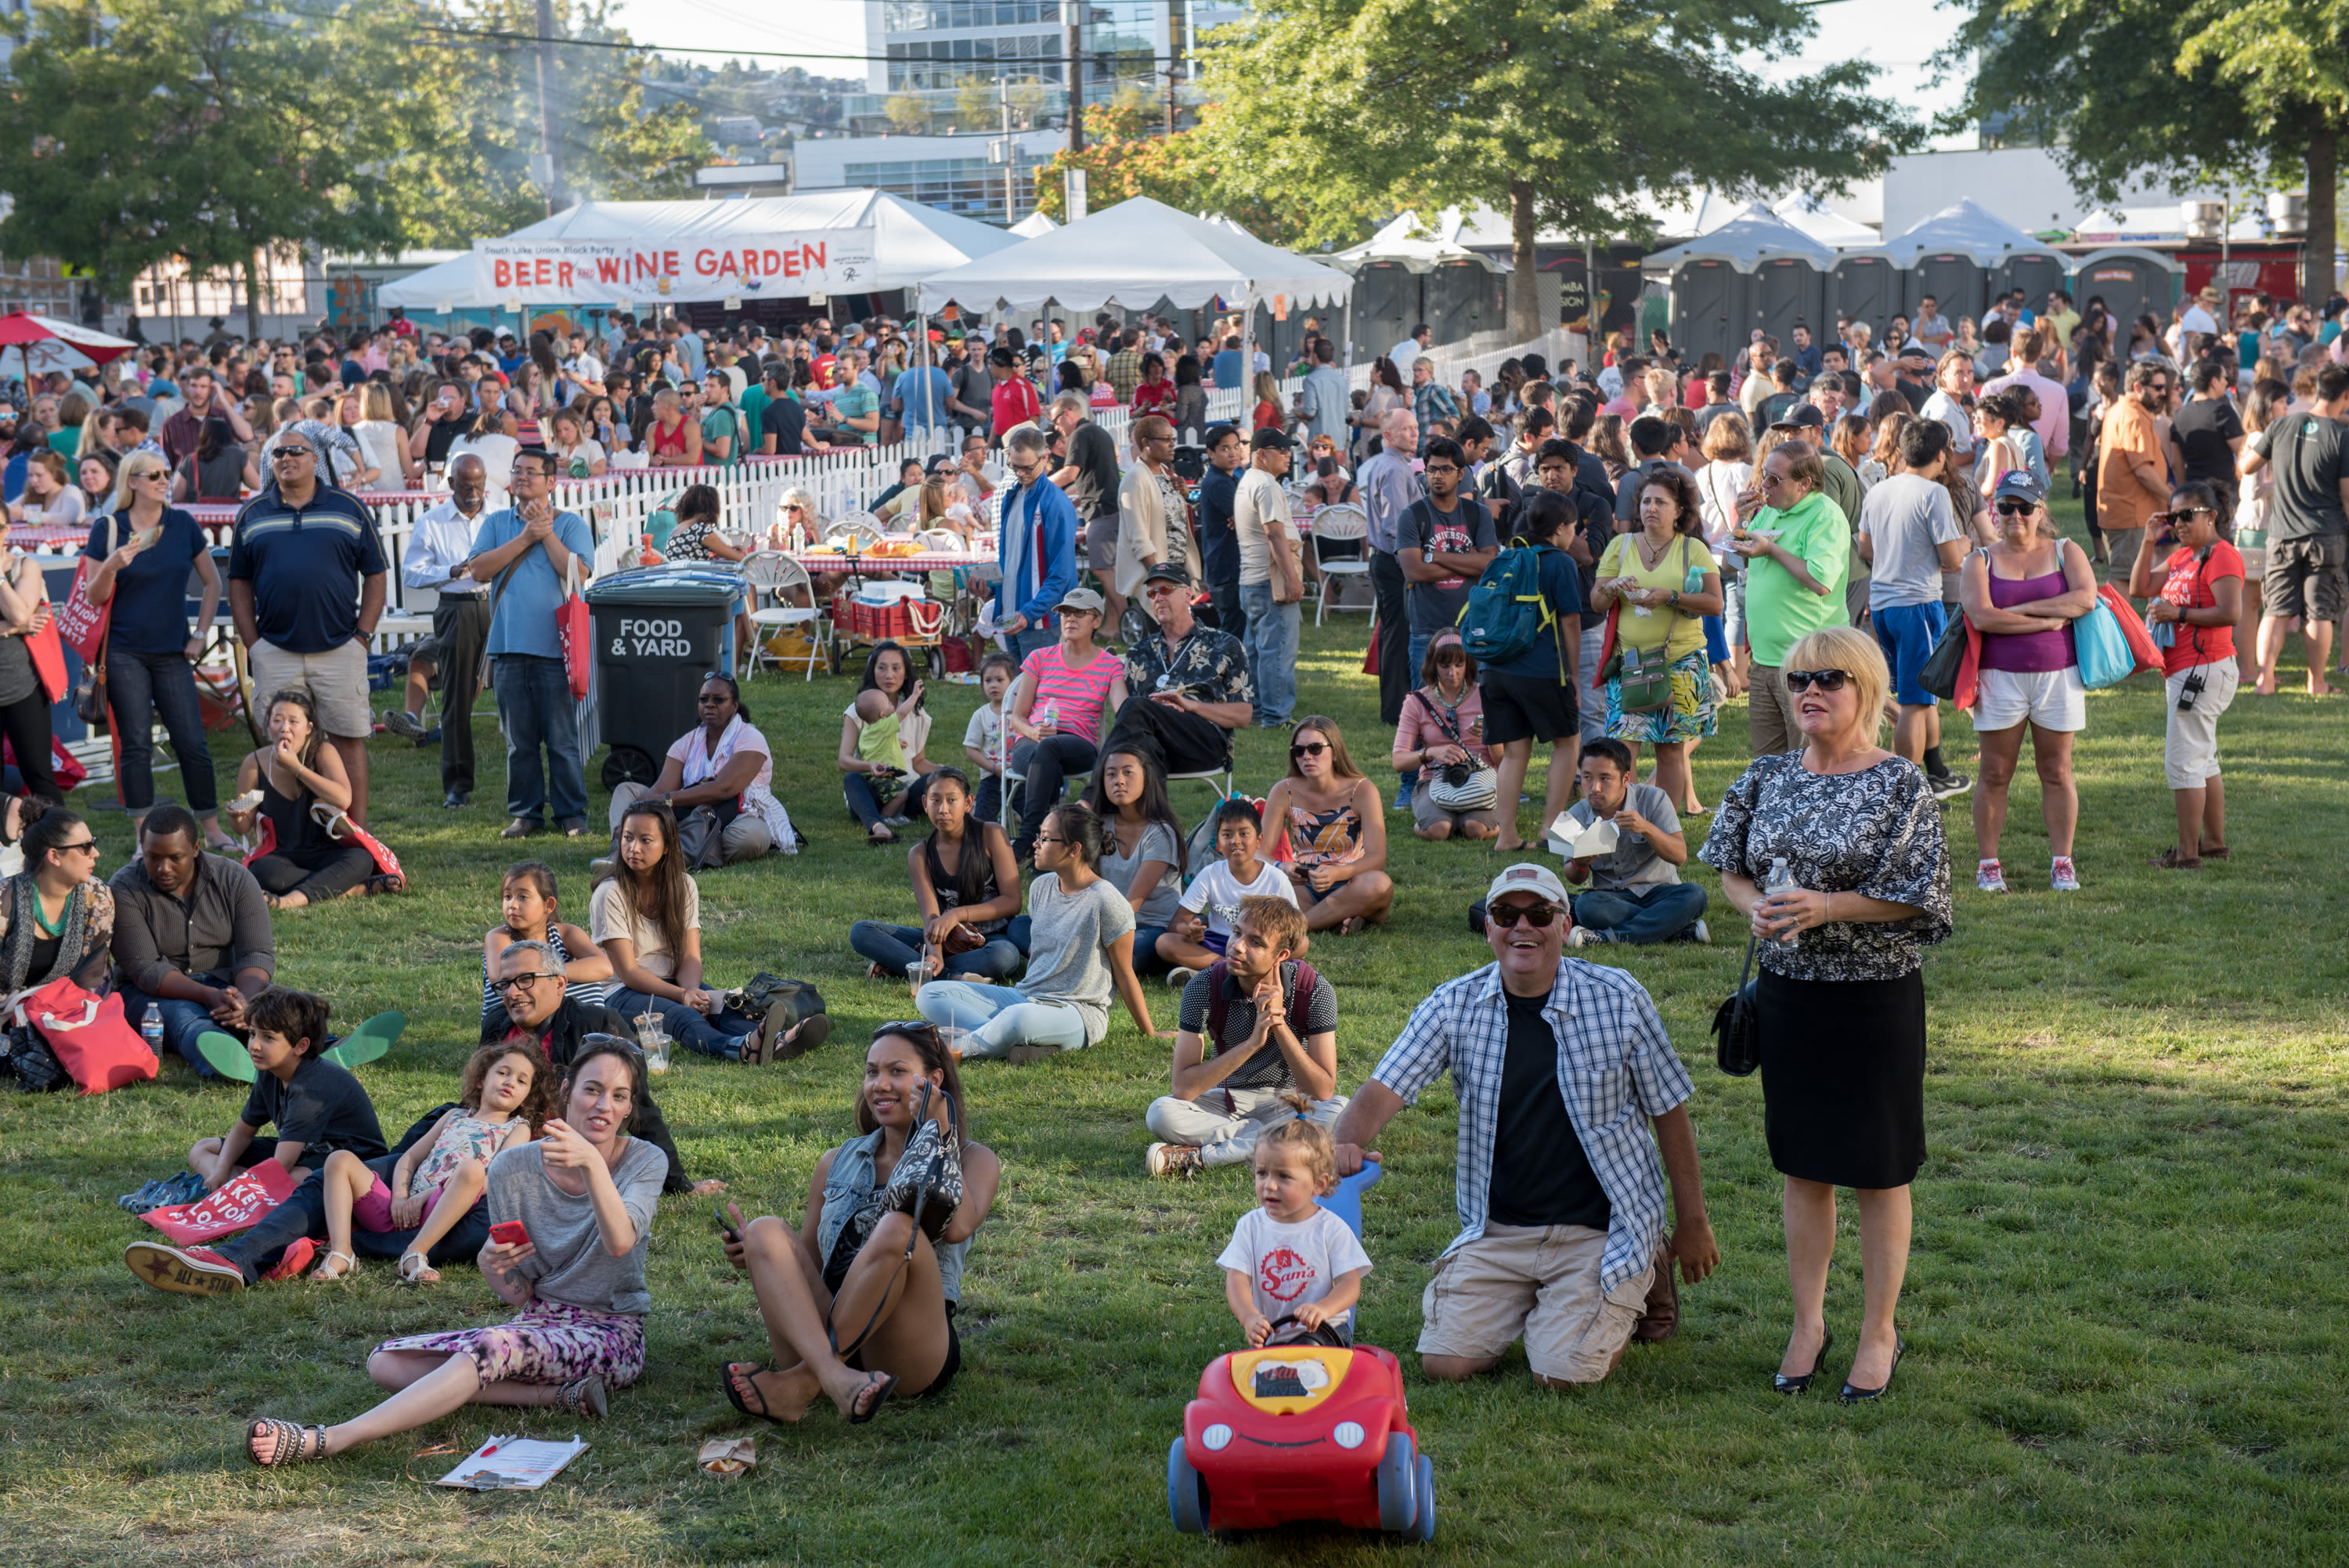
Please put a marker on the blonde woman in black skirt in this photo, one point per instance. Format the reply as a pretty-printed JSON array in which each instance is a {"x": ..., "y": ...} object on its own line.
[{"x": 1841, "y": 988}]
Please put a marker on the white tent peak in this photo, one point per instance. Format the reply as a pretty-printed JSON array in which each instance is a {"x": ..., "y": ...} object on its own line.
[
  {"x": 1965, "y": 228},
  {"x": 1419, "y": 247},
  {"x": 1136, "y": 252},
  {"x": 1752, "y": 236},
  {"x": 1033, "y": 224},
  {"x": 1816, "y": 218}
]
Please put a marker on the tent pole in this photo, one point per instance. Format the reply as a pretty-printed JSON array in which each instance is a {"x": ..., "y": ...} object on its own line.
[
  {"x": 921, "y": 362},
  {"x": 1248, "y": 355}
]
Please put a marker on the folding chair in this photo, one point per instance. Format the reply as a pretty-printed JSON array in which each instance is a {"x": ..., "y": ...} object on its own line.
[
  {"x": 772, "y": 574},
  {"x": 1337, "y": 525}
]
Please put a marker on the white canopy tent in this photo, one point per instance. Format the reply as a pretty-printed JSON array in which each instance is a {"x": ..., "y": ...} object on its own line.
[
  {"x": 910, "y": 241},
  {"x": 1746, "y": 241},
  {"x": 1033, "y": 224},
  {"x": 1421, "y": 247},
  {"x": 1821, "y": 223},
  {"x": 1964, "y": 229}
]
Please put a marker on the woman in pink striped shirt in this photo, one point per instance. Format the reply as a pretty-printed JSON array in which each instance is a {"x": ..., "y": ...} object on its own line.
[{"x": 1057, "y": 711}]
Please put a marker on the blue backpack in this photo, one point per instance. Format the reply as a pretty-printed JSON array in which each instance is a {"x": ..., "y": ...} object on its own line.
[{"x": 1506, "y": 613}]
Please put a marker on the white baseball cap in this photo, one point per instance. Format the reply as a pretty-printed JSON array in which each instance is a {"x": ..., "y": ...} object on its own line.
[{"x": 1527, "y": 877}]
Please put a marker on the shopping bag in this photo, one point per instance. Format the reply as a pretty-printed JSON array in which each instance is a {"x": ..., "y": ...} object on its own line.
[
  {"x": 82, "y": 624},
  {"x": 49, "y": 653},
  {"x": 93, "y": 1042},
  {"x": 2142, "y": 647},
  {"x": 571, "y": 623},
  {"x": 1371, "y": 654},
  {"x": 242, "y": 1203},
  {"x": 338, "y": 825},
  {"x": 64, "y": 767},
  {"x": 2102, "y": 648}
]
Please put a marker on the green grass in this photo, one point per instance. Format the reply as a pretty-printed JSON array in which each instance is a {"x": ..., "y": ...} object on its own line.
[{"x": 2125, "y": 1310}]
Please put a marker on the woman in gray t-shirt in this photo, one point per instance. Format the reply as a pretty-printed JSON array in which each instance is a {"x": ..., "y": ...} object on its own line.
[
  {"x": 584, "y": 1193},
  {"x": 1080, "y": 945},
  {"x": 1142, "y": 853}
]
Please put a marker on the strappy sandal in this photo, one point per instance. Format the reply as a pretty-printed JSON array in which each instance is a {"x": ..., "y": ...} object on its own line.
[
  {"x": 584, "y": 1397},
  {"x": 1353, "y": 925},
  {"x": 350, "y": 1266},
  {"x": 385, "y": 881},
  {"x": 881, "y": 1384},
  {"x": 734, "y": 1396},
  {"x": 424, "y": 1273},
  {"x": 2169, "y": 859},
  {"x": 290, "y": 1443}
]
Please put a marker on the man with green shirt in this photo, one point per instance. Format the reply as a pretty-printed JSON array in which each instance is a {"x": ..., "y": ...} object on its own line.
[
  {"x": 856, "y": 407},
  {"x": 1798, "y": 545},
  {"x": 754, "y": 407},
  {"x": 721, "y": 422}
]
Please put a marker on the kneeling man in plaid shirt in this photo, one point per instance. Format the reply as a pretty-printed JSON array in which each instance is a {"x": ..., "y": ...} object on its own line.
[{"x": 1559, "y": 1066}]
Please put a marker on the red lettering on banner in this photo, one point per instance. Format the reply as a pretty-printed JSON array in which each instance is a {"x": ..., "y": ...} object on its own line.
[
  {"x": 566, "y": 275},
  {"x": 669, "y": 263},
  {"x": 545, "y": 272},
  {"x": 791, "y": 261},
  {"x": 648, "y": 265},
  {"x": 608, "y": 269},
  {"x": 705, "y": 263},
  {"x": 812, "y": 256},
  {"x": 502, "y": 271}
]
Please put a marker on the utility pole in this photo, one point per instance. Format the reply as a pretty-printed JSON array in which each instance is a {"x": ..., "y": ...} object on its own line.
[
  {"x": 1011, "y": 150},
  {"x": 1073, "y": 10},
  {"x": 1173, "y": 66},
  {"x": 550, "y": 170}
]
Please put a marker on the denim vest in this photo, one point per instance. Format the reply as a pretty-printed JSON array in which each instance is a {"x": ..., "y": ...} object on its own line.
[{"x": 845, "y": 1189}]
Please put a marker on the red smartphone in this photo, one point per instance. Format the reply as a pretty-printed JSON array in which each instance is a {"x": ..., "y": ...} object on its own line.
[{"x": 510, "y": 1234}]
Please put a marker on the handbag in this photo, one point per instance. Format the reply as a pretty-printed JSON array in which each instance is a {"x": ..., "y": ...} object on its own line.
[
  {"x": 1640, "y": 688},
  {"x": 1737, "y": 1024},
  {"x": 1459, "y": 786},
  {"x": 699, "y": 839},
  {"x": 572, "y": 628},
  {"x": 1938, "y": 674},
  {"x": 91, "y": 1039},
  {"x": 2103, "y": 651}
]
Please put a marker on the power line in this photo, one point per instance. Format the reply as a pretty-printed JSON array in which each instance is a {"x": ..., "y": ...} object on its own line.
[{"x": 639, "y": 48}]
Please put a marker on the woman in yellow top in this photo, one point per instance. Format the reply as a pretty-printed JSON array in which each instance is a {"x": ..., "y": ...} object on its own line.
[{"x": 1662, "y": 583}]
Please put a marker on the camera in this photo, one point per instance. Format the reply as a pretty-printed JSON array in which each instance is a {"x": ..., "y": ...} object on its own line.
[{"x": 2189, "y": 689}]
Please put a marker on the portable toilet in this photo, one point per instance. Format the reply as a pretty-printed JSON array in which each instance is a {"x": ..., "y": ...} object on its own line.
[
  {"x": 1386, "y": 307},
  {"x": 2037, "y": 273},
  {"x": 1709, "y": 308},
  {"x": 1952, "y": 279},
  {"x": 1952, "y": 257},
  {"x": 1463, "y": 297},
  {"x": 2131, "y": 282},
  {"x": 1787, "y": 291},
  {"x": 1755, "y": 271},
  {"x": 1865, "y": 286}
]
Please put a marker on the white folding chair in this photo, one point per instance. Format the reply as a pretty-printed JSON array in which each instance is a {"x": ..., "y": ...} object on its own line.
[
  {"x": 773, "y": 575},
  {"x": 857, "y": 525},
  {"x": 1337, "y": 525},
  {"x": 1208, "y": 776}
]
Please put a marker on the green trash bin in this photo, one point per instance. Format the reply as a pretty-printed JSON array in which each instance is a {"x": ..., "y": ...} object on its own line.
[{"x": 659, "y": 634}]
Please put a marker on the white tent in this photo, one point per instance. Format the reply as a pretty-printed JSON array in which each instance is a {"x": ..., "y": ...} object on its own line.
[
  {"x": 1135, "y": 254},
  {"x": 1420, "y": 247},
  {"x": 910, "y": 241},
  {"x": 1963, "y": 229},
  {"x": 1033, "y": 224},
  {"x": 1821, "y": 223},
  {"x": 1746, "y": 241}
]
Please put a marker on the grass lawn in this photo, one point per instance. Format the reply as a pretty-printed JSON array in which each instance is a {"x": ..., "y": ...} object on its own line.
[{"x": 2125, "y": 1312}]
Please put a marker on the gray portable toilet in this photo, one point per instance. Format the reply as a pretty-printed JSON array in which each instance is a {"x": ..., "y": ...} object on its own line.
[
  {"x": 2037, "y": 273},
  {"x": 1461, "y": 297},
  {"x": 1786, "y": 291},
  {"x": 1952, "y": 257},
  {"x": 1952, "y": 278},
  {"x": 1864, "y": 287},
  {"x": 1386, "y": 307},
  {"x": 1709, "y": 308},
  {"x": 2131, "y": 282}
]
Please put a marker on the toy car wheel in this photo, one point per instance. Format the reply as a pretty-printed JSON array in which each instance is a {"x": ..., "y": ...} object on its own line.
[
  {"x": 1186, "y": 1492},
  {"x": 1398, "y": 1484},
  {"x": 1424, "y": 1527}
]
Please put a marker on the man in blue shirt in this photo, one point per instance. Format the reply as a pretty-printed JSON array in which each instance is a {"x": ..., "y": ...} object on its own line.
[
  {"x": 1219, "y": 547},
  {"x": 1039, "y": 546},
  {"x": 919, "y": 401},
  {"x": 524, "y": 553},
  {"x": 1228, "y": 364},
  {"x": 305, "y": 585}
]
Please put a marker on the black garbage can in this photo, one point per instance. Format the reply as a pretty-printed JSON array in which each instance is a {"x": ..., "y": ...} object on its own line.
[{"x": 658, "y": 634}]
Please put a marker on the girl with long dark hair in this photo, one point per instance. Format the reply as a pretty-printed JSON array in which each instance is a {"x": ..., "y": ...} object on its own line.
[{"x": 966, "y": 887}]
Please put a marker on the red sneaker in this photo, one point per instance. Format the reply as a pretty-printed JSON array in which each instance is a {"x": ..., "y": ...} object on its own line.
[
  {"x": 183, "y": 1271},
  {"x": 297, "y": 1259}
]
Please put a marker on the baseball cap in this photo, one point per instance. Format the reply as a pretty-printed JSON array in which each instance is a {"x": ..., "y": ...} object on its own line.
[
  {"x": 1527, "y": 876},
  {"x": 1802, "y": 416},
  {"x": 1270, "y": 439},
  {"x": 1081, "y": 599},
  {"x": 1168, "y": 572},
  {"x": 2018, "y": 482}
]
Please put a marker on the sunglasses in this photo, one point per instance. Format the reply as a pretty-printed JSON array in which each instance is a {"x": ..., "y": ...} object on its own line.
[
  {"x": 1501, "y": 917},
  {"x": 291, "y": 454},
  {"x": 1826, "y": 680},
  {"x": 2015, "y": 507},
  {"x": 1309, "y": 748},
  {"x": 90, "y": 844},
  {"x": 2183, "y": 512}
]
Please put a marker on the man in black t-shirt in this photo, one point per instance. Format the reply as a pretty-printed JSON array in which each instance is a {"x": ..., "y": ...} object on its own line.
[
  {"x": 2308, "y": 527},
  {"x": 2209, "y": 433},
  {"x": 1245, "y": 1043},
  {"x": 1090, "y": 479},
  {"x": 782, "y": 423}
]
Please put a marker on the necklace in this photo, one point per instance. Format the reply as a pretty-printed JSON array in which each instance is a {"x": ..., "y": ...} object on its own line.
[{"x": 1647, "y": 559}]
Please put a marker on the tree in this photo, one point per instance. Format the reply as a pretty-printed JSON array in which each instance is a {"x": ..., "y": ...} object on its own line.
[
  {"x": 1183, "y": 170},
  {"x": 1560, "y": 114},
  {"x": 2120, "y": 90},
  {"x": 133, "y": 132},
  {"x": 909, "y": 114},
  {"x": 466, "y": 172}
]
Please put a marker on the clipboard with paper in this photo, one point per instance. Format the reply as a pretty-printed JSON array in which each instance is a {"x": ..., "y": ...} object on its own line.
[
  {"x": 1573, "y": 841},
  {"x": 513, "y": 1464}
]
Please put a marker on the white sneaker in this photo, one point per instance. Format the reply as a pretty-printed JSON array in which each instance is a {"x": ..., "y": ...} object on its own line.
[
  {"x": 2061, "y": 875},
  {"x": 1579, "y": 936},
  {"x": 1988, "y": 878},
  {"x": 1702, "y": 933},
  {"x": 1178, "y": 977},
  {"x": 1172, "y": 1161}
]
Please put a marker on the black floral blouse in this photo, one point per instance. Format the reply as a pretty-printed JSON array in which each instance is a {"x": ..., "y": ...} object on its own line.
[{"x": 1876, "y": 832}]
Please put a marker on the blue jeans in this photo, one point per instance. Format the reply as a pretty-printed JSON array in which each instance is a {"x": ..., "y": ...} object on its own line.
[
  {"x": 1641, "y": 914},
  {"x": 1271, "y": 644},
  {"x": 1035, "y": 639},
  {"x": 894, "y": 947},
  {"x": 140, "y": 687},
  {"x": 1146, "y": 961},
  {"x": 535, "y": 709},
  {"x": 182, "y": 1021},
  {"x": 304, "y": 1214},
  {"x": 998, "y": 1018},
  {"x": 720, "y": 1036}
]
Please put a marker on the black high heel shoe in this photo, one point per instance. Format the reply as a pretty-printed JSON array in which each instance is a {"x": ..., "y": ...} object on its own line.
[
  {"x": 1786, "y": 1385},
  {"x": 1852, "y": 1395}
]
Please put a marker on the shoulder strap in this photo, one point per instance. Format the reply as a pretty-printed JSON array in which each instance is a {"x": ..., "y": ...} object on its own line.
[{"x": 1217, "y": 1008}]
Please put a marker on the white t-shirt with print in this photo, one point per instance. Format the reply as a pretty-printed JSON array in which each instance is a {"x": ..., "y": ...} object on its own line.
[
  {"x": 1288, "y": 1266},
  {"x": 1218, "y": 893}
]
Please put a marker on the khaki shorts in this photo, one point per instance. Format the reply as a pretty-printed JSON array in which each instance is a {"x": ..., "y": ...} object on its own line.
[
  {"x": 336, "y": 681},
  {"x": 1539, "y": 1284}
]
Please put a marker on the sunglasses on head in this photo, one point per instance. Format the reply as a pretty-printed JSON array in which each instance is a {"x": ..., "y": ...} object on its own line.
[
  {"x": 1502, "y": 916},
  {"x": 1309, "y": 748},
  {"x": 1826, "y": 680}
]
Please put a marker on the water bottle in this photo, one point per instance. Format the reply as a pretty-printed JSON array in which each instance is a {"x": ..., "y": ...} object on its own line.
[
  {"x": 1781, "y": 879},
  {"x": 152, "y": 1029}
]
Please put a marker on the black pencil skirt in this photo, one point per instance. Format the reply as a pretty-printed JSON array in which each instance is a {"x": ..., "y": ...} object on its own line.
[{"x": 1843, "y": 1078}]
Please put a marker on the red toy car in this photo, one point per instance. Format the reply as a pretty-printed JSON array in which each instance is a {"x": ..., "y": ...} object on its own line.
[{"x": 1300, "y": 1431}]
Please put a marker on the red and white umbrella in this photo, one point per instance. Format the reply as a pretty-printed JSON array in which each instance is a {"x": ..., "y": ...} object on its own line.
[{"x": 43, "y": 343}]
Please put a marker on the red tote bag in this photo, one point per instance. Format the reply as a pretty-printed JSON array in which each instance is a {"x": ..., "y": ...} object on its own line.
[
  {"x": 92, "y": 1040},
  {"x": 48, "y": 651},
  {"x": 240, "y": 1203},
  {"x": 571, "y": 623},
  {"x": 82, "y": 624}
]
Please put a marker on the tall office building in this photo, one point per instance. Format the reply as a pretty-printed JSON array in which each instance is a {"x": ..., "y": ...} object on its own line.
[{"x": 934, "y": 46}]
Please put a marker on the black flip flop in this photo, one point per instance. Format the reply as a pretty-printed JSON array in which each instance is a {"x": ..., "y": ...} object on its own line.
[
  {"x": 813, "y": 1032},
  {"x": 734, "y": 1397},
  {"x": 887, "y": 1383}
]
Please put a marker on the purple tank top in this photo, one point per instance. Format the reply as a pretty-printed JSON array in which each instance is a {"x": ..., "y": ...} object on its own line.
[{"x": 2029, "y": 652}]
